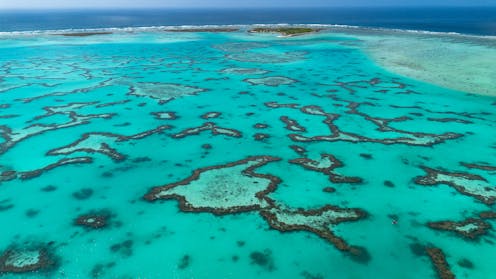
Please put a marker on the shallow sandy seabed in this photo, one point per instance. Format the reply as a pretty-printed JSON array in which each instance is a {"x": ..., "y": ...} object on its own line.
[{"x": 464, "y": 63}]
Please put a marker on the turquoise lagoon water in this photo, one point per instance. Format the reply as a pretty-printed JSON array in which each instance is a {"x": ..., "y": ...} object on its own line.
[{"x": 107, "y": 90}]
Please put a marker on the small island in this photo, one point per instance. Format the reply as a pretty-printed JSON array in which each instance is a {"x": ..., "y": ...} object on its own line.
[
  {"x": 285, "y": 31},
  {"x": 210, "y": 30},
  {"x": 83, "y": 34}
]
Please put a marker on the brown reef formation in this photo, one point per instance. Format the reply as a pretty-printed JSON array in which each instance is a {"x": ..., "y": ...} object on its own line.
[
  {"x": 471, "y": 228},
  {"x": 467, "y": 184},
  {"x": 279, "y": 105},
  {"x": 13, "y": 137},
  {"x": 32, "y": 258},
  {"x": 261, "y": 136},
  {"x": 479, "y": 166},
  {"x": 383, "y": 125},
  {"x": 165, "y": 115},
  {"x": 94, "y": 220},
  {"x": 292, "y": 124},
  {"x": 319, "y": 221},
  {"x": 438, "y": 259},
  {"x": 260, "y": 126},
  {"x": 224, "y": 189},
  {"x": 236, "y": 187},
  {"x": 100, "y": 143},
  {"x": 209, "y": 115},
  {"x": 208, "y": 126},
  {"x": 61, "y": 162},
  {"x": 298, "y": 149},
  {"x": 326, "y": 165}
]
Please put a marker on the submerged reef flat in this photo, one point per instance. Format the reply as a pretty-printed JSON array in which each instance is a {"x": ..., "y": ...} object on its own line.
[
  {"x": 163, "y": 92},
  {"x": 200, "y": 153},
  {"x": 461, "y": 63},
  {"x": 244, "y": 71},
  {"x": 34, "y": 257},
  {"x": 320, "y": 222},
  {"x": 271, "y": 81},
  {"x": 223, "y": 189},
  {"x": 465, "y": 183},
  {"x": 267, "y": 58},
  {"x": 235, "y": 187}
]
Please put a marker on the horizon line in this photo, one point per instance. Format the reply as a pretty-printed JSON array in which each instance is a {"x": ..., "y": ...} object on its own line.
[{"x": 241, "y": 7}]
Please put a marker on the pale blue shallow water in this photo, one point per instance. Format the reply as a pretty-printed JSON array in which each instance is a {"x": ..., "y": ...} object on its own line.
[{"x": 43, "y": 73}]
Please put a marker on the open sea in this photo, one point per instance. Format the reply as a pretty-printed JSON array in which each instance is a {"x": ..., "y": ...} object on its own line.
[{"x": 132, "y": 146}]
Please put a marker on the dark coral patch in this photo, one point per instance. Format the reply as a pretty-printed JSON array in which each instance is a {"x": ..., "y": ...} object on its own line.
[
  {"x": 449, "y": 119},
  {"x": 299, "y": 150},
  {"x": 438, "y": 259},
  {"x": 83, "y": 194},
  {"x": 30, "y": 213},
  {"x": 359, "y": 254},
  {"x": 388, "y": 183},
  {"x": 206, "y": 146},
  {"x": 485, "y": 167},
  {"x": 49, "y": 188},
  {"x": 8, "y": 175},
  {"x": 418, "y": 249},
  {"x": 260, "y": 126},
  {"x": 94, "y": 219},
  {"x": 366, "y": 156},
  {"x": 99, "y": 270},
  {"x": 124, "y": 248},
  {"x": 329, "y": 190},
  {"x": 5, "y": 205},
  {"x": 184, "y": 262},
  {"x": 142, "y": 159},
  {"x": 488, "y": 215},
  {"x": 308, "y": 275},
  {"x": 261, "y": 136},
  {"x": 209, "y": 115},
  {"x": 263, "y": 259},
  {"x": 466, "y": 263}
]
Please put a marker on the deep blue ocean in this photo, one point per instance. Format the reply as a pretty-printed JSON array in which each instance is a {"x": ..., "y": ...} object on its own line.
[{"x": 475, "y": 20}]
